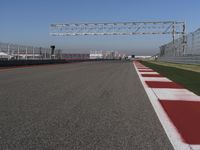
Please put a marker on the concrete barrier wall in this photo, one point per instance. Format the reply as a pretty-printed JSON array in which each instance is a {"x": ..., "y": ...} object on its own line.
[
  {"x": 6, "y": 63},
  {"x": 12, "y": 63}
]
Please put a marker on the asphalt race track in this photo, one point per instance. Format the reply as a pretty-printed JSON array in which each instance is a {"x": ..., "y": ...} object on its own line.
[{"x": 79, "y": 106}]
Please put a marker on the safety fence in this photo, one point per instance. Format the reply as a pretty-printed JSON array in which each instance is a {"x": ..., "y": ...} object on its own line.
[
  {"x": 21, "y": 52},
  {"x": 181, "y": 52}
]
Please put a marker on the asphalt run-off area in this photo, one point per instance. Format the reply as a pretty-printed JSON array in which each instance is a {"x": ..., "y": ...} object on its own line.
[{"x": 87, "y": 106}]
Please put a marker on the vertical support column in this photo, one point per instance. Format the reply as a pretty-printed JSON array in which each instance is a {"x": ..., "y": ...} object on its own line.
[
  {"x": 173, "y": 36},
  {"x": 40, "y": 53},
  {"x": 103, "y": 28},
  {"x": 49, "y": 53},
  {"x": 192, "y": 43},
  {"x": 26, "y": 53},
  {"x": 18, "y": 52},
  {"x": 33, "y": 53},
  {"x": 60, "y": 54},
  {"x": 45, "y": 54},
  {"x": 173, "y": 31},
  {"x": 8, "y": 51},
  {"x": 184, "y": 39}
]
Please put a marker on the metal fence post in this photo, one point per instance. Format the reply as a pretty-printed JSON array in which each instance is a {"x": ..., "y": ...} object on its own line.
[
  {"x": 49, "y": 53},
  {"x": 33, "y": 53},
  {"x": 45, "y": 53},
  {"x": 26, "y": 53},
  {"x": 18, "y": 52},
  {"x": 8, "y": 51}
]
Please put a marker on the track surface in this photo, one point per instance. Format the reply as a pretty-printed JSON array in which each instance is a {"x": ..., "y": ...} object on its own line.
[{"x": 82, "y": 106}]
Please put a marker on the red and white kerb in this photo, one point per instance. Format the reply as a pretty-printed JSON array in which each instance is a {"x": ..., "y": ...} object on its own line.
[{"x": 177, "y": 108}]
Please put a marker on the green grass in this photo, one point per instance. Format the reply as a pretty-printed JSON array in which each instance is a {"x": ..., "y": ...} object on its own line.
[
  {"x": 195, "y": 68},
  {"x": 189, "y": 79}
]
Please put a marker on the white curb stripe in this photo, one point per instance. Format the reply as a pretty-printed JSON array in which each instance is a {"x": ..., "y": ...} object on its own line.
[
  {"x": 145, "y": 69},
  {"x": 195, "y": 147},
  {"x": 162, "y": 79},
  {"x": 148, "y": 73},
  {"x": 175, "y": 94},
  {"x": 169, "y": 128}
]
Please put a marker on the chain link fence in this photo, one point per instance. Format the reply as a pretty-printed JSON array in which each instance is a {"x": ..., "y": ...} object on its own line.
[
  {"x": 179, "y": 52},
  {"x": 10, "y": 51}
]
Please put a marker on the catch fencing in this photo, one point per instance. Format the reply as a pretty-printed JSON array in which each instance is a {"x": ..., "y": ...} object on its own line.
[
  {"x": 180, "y": 52},
  {"x": 21, "y": 52}
]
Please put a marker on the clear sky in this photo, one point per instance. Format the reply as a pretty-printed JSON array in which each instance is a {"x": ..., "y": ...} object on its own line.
[{"x": 27, "y": 22}]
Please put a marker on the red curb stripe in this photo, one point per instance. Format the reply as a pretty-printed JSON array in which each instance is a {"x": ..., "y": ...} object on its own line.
[
  {"x": 151, "y": 75},
  {"x": 160, "y": 84},
  {"x": 185, "y": 116}
]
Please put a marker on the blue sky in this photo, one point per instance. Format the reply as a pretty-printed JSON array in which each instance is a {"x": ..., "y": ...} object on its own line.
[{"x": 27, "y": 22}]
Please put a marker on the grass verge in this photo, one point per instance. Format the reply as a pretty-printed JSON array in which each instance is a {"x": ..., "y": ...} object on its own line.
[
  {"x": 189, "y": 79},
  {"x": 195, "y": 68}
]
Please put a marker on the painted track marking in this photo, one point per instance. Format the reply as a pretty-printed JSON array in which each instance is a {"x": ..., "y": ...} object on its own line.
[{"x": 184, "y": 136}]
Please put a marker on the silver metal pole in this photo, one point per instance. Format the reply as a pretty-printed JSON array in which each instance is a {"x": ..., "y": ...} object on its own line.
[
  {"x": 173, "y": 31},
  {"x": 45, "y": 54},
  {"x": 33, "y": 53},
  {"x": 18, "y": 52},
  {"x": 184, "y": 39},
  {"x": 26, "y": 52},
  {"x": 8, "y": 49},
  {"x": 50, "y": 53}
]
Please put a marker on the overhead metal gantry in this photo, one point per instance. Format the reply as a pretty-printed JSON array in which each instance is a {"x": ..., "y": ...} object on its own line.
[{"x": 119, "y": 28}]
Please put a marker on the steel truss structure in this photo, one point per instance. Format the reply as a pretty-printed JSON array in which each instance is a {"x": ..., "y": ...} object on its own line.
[{"x": 118, "y": 28}]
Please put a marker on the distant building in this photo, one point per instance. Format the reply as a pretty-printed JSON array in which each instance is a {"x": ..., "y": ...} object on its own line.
[
  {"x": 105, "y": 54},
  {"x": 96, "y": 55},
  {"x": 4, "y": 55},
  {"x": 142, "y": 57},
  {"x": 69, "y": 56}
]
